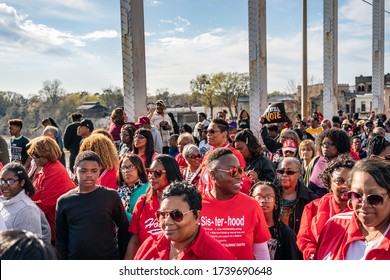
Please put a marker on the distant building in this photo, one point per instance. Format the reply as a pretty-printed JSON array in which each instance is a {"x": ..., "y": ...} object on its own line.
[
  {"x": 93, "y": 110},
  {"x": 362, "y": 101},
  {"x": 315, "y": 95}
]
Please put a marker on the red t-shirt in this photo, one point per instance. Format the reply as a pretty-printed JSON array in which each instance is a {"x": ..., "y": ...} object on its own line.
[
  {"x": 115, "y": 130},
  {"x": 50, "y": 183},
  {"x": 108, "y": 179},
  {"x": 203, "y": 248},
  {"x": 237, "y": 223},
  {"x": 144, "y": 222}
]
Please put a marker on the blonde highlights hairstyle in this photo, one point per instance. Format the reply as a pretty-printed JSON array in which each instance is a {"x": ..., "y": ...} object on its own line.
[
  {"x": 45, "y": 147},
  {"x": 104, "y": 147}
]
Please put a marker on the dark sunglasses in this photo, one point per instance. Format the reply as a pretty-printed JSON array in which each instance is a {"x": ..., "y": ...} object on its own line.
[
  {"x": 372, "y": 199},
  {"x": 212, "y": 131},
  {"x": 233, "y": 172},
  {"x": 288, "y": 172},
  {"x": 157, "y": 173},
  {"x": 176, "y": 215},
  {"x": 195, "y": 156}
]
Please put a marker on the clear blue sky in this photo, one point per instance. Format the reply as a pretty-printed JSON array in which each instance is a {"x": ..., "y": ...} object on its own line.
[{"x": 78, "y": 42}]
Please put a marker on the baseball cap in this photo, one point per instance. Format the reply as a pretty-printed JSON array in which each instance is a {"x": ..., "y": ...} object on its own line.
[
  {"x": 87, "y": 123},
  {"x": 160, "y": 102},
  {"x": 289, "y": 145},
  {"x": 346, "y": 122},
  {"x": 232, "y": 125},
  {"x": 142, "y": 120}
]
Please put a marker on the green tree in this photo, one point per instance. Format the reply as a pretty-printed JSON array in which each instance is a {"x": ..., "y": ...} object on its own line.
[
  {"x": 228, "y": 87},
  {"x": 201, "y": 87}
]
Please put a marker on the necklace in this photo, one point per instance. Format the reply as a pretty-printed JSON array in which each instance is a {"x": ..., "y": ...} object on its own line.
[
  {"x": 366, "y": 241},
  {"x": 173, "y": 252}
]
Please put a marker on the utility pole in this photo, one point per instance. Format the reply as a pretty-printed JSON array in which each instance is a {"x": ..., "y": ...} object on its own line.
[{"x": 304, "y": 97}]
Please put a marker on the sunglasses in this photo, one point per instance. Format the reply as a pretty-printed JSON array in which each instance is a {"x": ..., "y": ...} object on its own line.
[
  {"x": 9, "y": 182},
  {"x": 212, "y": 131},
  {"x": 176, "y": 215},
  {"x": 233, "y": 172},
  {"x": 195, "y": 156},
  {"x": 128, "y": 168},
  {"x": 155, "y": 173},
  {"x": 372, "y": 199},
  {"x": 139, "y": 136},
  {"x": 288, "y": 172}
]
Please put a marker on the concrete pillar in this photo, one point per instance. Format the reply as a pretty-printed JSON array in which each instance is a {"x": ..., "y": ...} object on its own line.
[{"x": 133, "y": 58}]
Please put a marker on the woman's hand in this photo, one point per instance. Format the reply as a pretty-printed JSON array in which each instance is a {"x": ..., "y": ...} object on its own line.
[{"x": 253, "y": 175}]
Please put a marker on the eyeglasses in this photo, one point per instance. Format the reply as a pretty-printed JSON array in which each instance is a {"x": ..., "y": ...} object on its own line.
[
  {"x": 195, "y": 156},
  {"x": 155, "y": 173},
  {"x": 128, "y": 168},
  {"x": 288, "y": 172},
  {"x": 372, "y": 199},
  {"x": 139, "y": 136},
  {"x": 339, "y": 181},
  {"x": 125, "y": 135},
  {"x": 233, "y": 172},
  {"x": 212, "y": 131},
  {"x": 176, "y": 215},
  {"x": 267, "y": 198},
  {"x": 9, "y": 182}
]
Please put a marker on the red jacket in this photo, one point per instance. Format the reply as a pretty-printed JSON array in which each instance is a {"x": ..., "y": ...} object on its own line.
[
  {"x": 50, "y": 183},
  {"x": 314, "y": 217},
  {"x": 204, "y": 248},
  {"x": 340, "y": 231}
]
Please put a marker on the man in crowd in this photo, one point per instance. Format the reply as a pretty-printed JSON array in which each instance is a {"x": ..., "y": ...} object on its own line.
[
  {"x": 163, "y": 122},
  {"x": 72, "y": 139}
]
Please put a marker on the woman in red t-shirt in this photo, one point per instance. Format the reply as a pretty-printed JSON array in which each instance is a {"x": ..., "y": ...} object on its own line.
[{"x": 163, "y": 171}]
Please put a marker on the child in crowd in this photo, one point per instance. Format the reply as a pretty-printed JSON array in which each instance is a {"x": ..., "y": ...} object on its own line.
[{"x": 86, "y": 216}]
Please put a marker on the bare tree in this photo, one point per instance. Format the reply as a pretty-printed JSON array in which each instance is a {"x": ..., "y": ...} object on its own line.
[{"x": 51, "y": 93}]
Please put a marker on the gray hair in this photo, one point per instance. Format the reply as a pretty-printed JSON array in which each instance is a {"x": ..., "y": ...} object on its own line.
[
  {"x": 189, "y": 149},
  {"x": 293, "y": 160},
  {"x": 51, "y": 130}
]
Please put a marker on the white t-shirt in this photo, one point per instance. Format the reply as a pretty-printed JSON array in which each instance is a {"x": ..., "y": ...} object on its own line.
[{"x": 359, "y": 249}]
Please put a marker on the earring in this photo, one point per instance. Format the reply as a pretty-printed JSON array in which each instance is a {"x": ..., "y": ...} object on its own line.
[{"x": 349, "y": 204}]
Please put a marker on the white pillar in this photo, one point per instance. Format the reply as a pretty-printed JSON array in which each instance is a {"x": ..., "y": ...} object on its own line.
[
  {"x": 133, "y": 58},
  {"x": 378, "y": 61},
  {"x": 257, "y": 61},
  {"x": 330, "y": 58}
]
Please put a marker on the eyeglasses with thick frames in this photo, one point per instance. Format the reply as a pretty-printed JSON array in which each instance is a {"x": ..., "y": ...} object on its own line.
[
  {"x": 372, "y": 199},
  {"x": 233, "y": 172},
  {"x": 287, "y": 172},
  {"x": 9, "y": 182},
  {"x": 267, "y": 198},
  {"x": 125, "y": 168},
  {"x": 176, "y": 215},
  {"x": 156, "y": 173}
]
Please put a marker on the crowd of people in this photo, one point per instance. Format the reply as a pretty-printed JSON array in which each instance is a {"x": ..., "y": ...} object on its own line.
[{"x": 312, "y": 189}]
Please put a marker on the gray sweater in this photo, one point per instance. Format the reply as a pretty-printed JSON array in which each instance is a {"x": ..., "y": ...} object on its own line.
[{"x": 20, "y": 212}]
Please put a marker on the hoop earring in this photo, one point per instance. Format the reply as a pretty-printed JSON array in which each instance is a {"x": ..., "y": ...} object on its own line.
[{"x": 349, "y": 204}]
